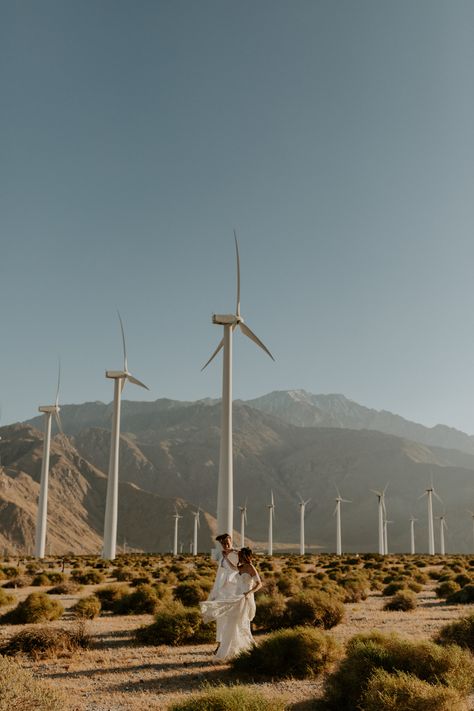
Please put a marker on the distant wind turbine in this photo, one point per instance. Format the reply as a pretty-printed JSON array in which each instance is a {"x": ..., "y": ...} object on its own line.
[
  {"x": 429, "y": 492},
  {"x": 225, "y": 493},
  {"x": 302, "y": 512},
  {"x": 385, "y": 535},
  {"x": 243, "y": 521},
  {"x": 195, "y": 536},
  {"x": 175, "y": 537},
  {"x": 412, "y": 535},
  {"x": 442, "y": 527},
  {"x": 337, "y": 513},
  {"x": 120, "y": 377},
  {"x": 271, "y": 516},
  {"x": 41, "y": 520},
  {"x": 381, "y": 512}
]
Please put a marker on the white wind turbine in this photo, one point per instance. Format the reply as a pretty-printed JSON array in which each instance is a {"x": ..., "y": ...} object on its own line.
[
  {"x": 302, "y": 512},
  {"x": 429, "y": 492},
  {"x": 41, "y": 519},
  {"x": 243, "y": 521},
  {"x": 225, "y": 494},
  {"x": 271, "y": 516},
  {"x": 442, "y": 527},
  {"x": 120, "y": 377},
  {"x": 337, "y": 513},
  {"x": 412, "y": 535},
  {"x": 175, "y": 537},
  {"x": 382, "y": 513},
  {"x": 195, "y": 534},
  {"x": 385, "y": 537}
]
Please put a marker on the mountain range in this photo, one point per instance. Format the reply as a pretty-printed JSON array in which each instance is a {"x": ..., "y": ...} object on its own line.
[{"x": 289, "y": 442}]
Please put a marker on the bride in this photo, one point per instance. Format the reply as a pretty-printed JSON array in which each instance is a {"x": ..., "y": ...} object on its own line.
[{"x": 235, "y": 614}]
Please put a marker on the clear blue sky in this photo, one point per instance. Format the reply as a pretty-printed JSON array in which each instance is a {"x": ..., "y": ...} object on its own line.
[{"x": 336, "y": 137}]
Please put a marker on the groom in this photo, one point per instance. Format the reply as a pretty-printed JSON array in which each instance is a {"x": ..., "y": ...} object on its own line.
[{"x": 225, "y": 584}]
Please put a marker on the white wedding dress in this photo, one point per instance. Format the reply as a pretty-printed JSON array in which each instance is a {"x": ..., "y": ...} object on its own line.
[{"x": 233, "y": 616}]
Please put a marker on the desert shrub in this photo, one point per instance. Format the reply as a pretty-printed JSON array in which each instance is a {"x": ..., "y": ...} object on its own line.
[
  {"x": 41, "y": 579},
  {"x": 88, "y": 577},
  {"x": 354, "y": 589},
  {"x": 11, "y": 571},
  {"x": 403, "y": 601},
  {"x": 300, "y": 652},
  {"x": 189, "y": 594},
  {"x": 19, "y": 690},
  {"x": 228, "y": 698},
  {"x": 110, "y": 596},
  {"x": 447, "y": 588},
  {"x": 87, "y": 607},
  {"x": 270, "y": 613},
  {"x": 42, "y": 642},
  {"x": 460, "y": 632},
  {"x": 5, "y": 599},
  {"x": 19, "y": 581},
  {"x": 69, "y": 587},
  {"x": 414, "y": 586},
  {"x": 465, "y": 596},
  {"x": 287, "y": 585},
  {"x": 314, "y": 608},
  {"x": 463, "y": 579},
  {"x": 37, "y": 607},
  {"x": 393, "y": 588},
  {"x": 143, "y": 600},
  {"x": 55, "y": 577},
  {"x": 365, "y": 654},
  {"x": 176, "y": 625},
  {"x": 405, "y": 692},
  {"x": 123, "y": 575}
]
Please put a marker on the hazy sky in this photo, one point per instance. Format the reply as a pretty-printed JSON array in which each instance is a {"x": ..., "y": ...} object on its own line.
[{"x": 335, "y": 136}]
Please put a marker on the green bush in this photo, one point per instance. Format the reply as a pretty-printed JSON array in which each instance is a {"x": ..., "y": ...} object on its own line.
[
  {"x": 42, "y": 642},
  {"x": 143, "y": 600},
  {"x": 460, "y": 632},
  {"x": 37, "y": 607},
  {"x": 110, "y": 596},
  {"x": 300, "y": 652},
  {"x": 447, "y": 588},
  {"x": 393, "y": 588},
  {"x": 19, "y": 690},
  {"x": 69, "y": 587},
  {"x": 88, "y": 577},
  {"x": 314, "y": 608},
  {"x": 5, "y": 599},
  {"x": 405, "y": 692},
  {"x": 287, "y": 585},
  {"x": 355, "y": 589},
  {"x": 41, "y": 579},
  {"x": 403, "y": 601},
  {"x": 176, "y": 625},
  {"x": 270, "y": 613},
  {"x": 87, "y": 607},
  {"x": 365, "y": 654},
  {"x": 228, "y": 698},
  {"x": 19, "y": 581},
  {"x": 465, "y": 596},
  {"x": 189, "y": 594},
  {"x": 123, "y": 575}
]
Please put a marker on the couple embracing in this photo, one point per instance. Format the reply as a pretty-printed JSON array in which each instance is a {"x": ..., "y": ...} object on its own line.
[{"x": 231, "y": 601}]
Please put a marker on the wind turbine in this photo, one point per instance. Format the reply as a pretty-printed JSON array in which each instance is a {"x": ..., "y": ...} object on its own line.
[
  {"x": 381, "y": 510},
  {"x": 271, "y": 516},
  {"x": 412, "y": 535},
  {"x": 337, "y": 513},
  {"x": 225, "y": 493},
  {"x": 175, "y": 539},
  {"x": 119, "y": 377},
  {"x": 243, "y": 521},
  {"x": 195, "y": 536},
  {"x": 442, "y": 527},
  {"x": 385, "y": 538},
  {"x": 302, "y": 512},
  {"x": 42, "y": 515},
  {"x": 429, "y": 492}
]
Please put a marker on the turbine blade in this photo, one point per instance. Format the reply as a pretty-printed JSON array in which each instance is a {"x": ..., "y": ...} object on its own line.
[
  {"x": 273, "y": 500},
  {"x": 237, "y": 308},
  {"x": 125, "y": 364},
  {"x": 335, "y": 511},
  {"x": 58, "y": 422},
  {"x": 221, "y": 345},
  {"x": 250, "y": 334},
  {"x": 137, "y": 382},
  {"x": 337, "y": 491},
  {"x": 59, "y": 382},
  {"x": 438, "y": 497}
]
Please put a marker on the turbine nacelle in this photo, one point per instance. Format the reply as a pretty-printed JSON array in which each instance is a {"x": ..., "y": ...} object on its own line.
[
  {"x": 52, "y": 409},
  {"x": 226, "y": 319}
]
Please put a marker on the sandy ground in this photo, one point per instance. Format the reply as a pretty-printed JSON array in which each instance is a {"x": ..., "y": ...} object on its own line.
[{"x": 117, "y": 675}]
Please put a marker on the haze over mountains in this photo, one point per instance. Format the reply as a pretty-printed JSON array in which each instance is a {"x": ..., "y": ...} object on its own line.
[{"x": 291, "y": 442}]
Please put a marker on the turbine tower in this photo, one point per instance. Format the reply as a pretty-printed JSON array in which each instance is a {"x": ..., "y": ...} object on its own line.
[
  {"x": 381, "y": 510},
  {"x": 385, "y": 537},
  {"x": 271, "y": 516},
  {"x": 225, "y": 494},
  {"x": 337, "y": 513},
  {"x": 243, "y": 521},
  {"x": 442, "y": 527},
  {"x": 175, "y": 538},
  {"x": 412, "y": 535},
  {"x": 195, "y": 536},
  {"x": 42, "y": 515},
  {"x": 119, "y": 377},
  {"x": 302, "y": 512},
  {"x": 429, "y": 492}
]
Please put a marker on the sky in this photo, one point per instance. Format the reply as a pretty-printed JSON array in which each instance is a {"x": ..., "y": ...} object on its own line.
[{"x": 335, "y": 137}]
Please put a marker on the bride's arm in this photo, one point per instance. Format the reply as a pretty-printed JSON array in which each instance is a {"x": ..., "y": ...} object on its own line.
[{"x": 257, "y": 584}]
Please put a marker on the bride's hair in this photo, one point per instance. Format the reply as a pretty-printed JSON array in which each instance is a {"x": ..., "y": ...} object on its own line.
[{"x": 245, "y": 556}]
